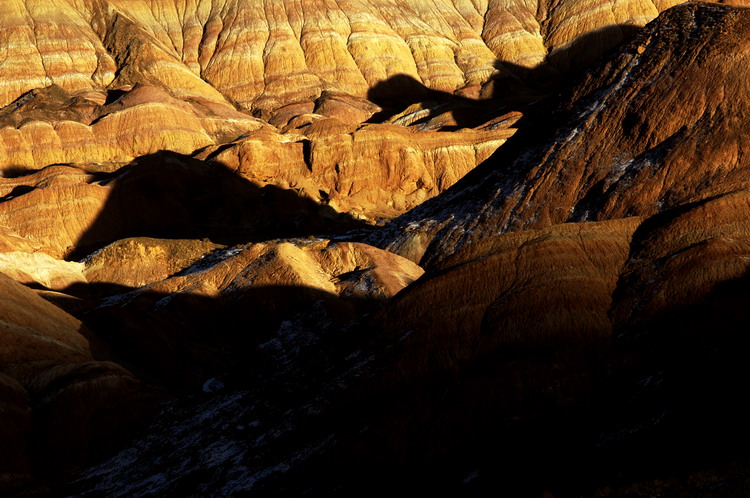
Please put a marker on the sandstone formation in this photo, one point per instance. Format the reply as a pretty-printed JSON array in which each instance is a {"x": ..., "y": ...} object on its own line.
[
  {"x": 629, "y": 141},
  {"x": 377, "y": 171},
  {"x": 264, "y": 54},
  {"x": 324, "y": 159},
  {"x": 619, "y": 287},
  {"x": 143, "y": 77},
  {"x": 195, "y": 203}
]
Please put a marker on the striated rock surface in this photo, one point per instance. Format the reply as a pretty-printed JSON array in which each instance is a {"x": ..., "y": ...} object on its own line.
[
  {"x": 658, "y": 126},
  {"x": 174, "y": 175},
  {"x": 50, "y": 126},
  {"x": 142, "y": 77},
  {"x": 264, "y": 54},
  {"x": 550, "y": 287},
  {"x": 373, "y": 171}
]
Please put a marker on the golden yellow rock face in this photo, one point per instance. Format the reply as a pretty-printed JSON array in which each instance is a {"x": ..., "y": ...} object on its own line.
[
  {"x": 51, "y": 126},
  {"x": 135, "y": 262},
  {"x": 193, "y": 181},
  {"x": 260, "y": 55},
  {"x": 109, "y": 81},
  {"x": 265, "y": 53},
  {"x": 322, "y": 265},
  {"x": 377, "y": 170}
]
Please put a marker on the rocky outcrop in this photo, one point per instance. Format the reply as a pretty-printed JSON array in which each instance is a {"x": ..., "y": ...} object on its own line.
[
  {"x": 627, "y": 141},
  {"x": 375, "y": 172}
]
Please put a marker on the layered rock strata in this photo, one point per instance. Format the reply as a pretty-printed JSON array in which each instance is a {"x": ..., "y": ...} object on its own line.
[
  {"x": 264, "y": 54},
  {"x": 630, "y": 140},
  {"x": 143, "y": 77}
]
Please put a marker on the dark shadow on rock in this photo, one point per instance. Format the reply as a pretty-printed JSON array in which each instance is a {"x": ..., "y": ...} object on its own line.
[
  {"x": 282, "y": 343},
  {"x": 181, "y": 339},
  {"x": 397, "y": 93},
  {"x": 17, "y": 171},
  {"x": 549, "y": 109},
  {"x": 16, "y": 192},
  {"x": 114, "y": 95},
  {"x": 170, "y": 195},
  {"x": 513, "y": 88},
  {"x": 566, "y": 421}
]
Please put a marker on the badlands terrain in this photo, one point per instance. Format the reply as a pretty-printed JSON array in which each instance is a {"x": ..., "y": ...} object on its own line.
[{"x": 354, "y": 247}]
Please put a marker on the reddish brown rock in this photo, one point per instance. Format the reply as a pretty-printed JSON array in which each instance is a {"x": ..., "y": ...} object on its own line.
[
  {"x": 682, "y": 258},
  {"x": 627, "y": 141},
  {"x": 48, "y": 375},
  {"x": 537, "y": 288}
]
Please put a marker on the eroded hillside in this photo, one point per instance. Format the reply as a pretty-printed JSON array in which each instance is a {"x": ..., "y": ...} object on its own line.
[
  {"x": 281, "y": 91},
  {"x": 195, "y": 221}
]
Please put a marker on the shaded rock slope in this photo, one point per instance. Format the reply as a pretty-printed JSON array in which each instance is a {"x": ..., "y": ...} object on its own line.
[
  {"x": 661, "y": 125},
  {"x": 568, "y": 318}
]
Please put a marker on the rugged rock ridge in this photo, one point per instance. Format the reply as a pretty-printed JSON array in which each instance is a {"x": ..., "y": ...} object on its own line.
[
  {"x": 103, "y": 83},
  {"x": 659, "y": 126}
]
